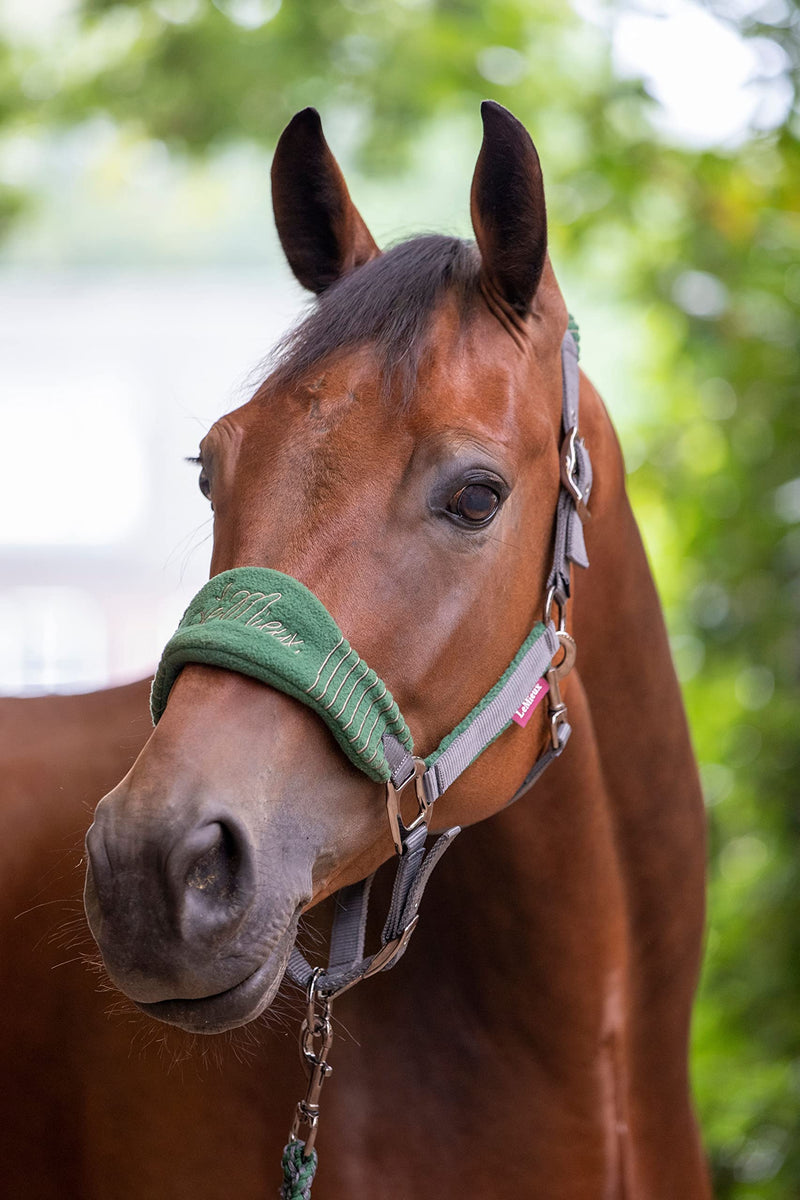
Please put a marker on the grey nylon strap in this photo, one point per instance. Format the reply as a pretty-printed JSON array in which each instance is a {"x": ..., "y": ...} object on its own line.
[
  {"x": 569, "y": 544},
  {"x": 570, "y": 381},
  {"x": 399, "y": 759},
  {"x": 464, "y": 749},
  {"x": 482, "y": 731},
  {"x": 349, "y": 924},
  {"x": 543, "y": 762},
  {"x": 410, "y": 865},
  {"x": 348, "y": 964}
]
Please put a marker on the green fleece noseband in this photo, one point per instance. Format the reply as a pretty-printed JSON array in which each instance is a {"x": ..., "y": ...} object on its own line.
[{"x": 263, "y": 623}]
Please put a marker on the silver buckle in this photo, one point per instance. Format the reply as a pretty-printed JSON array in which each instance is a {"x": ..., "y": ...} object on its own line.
[
  {"x": 388, "y": 954},
  {"x": 393, "y": 794},
  {"x": 569, "y": 462},
  {"x": 382, "y": 960}
]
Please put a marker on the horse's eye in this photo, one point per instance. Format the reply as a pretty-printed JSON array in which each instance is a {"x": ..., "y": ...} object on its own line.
[
  {"x": 203, "y": 482},
  {"x": 476, "y": 504}
]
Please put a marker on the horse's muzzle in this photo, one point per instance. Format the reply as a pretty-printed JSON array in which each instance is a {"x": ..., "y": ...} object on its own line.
[{"x": 175, "y": 914}]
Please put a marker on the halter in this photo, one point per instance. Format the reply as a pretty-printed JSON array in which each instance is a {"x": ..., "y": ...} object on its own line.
[{"x": 265, "y": 624}]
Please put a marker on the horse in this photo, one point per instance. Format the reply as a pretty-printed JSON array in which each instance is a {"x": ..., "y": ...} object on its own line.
[{"x": 403, "y": 461}]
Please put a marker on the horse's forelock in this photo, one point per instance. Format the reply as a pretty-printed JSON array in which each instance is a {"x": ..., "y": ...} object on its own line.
[{"x": 389, "y": 304}]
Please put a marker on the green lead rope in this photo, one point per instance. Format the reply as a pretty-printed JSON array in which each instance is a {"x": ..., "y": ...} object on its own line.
[{"x": 298, "y": 1172}]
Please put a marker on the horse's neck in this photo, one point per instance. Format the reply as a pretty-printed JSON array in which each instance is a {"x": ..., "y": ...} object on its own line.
[
  {"x": 559, "y": 941},
  {"x": 639, "y": 723}
]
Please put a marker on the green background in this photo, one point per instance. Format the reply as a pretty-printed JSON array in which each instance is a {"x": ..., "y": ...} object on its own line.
[{"x": 682, "y": 266}]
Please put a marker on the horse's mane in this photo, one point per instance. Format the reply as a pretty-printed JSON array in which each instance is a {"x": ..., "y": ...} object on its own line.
[{"x": 387, "y": 303}]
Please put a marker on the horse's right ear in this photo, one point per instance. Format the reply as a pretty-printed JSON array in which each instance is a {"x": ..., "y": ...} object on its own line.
[
  {"x": 508, "y": 209},
  {"x": 321, "y": 230}
]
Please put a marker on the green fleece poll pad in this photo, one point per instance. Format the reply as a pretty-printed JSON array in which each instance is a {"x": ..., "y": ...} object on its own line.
[{"x": 263, "y": 623}]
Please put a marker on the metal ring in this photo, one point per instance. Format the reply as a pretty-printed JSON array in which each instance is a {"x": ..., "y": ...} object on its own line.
[
  {"x": 556, "y": 596},
  {"x": 566, "y": 663}
]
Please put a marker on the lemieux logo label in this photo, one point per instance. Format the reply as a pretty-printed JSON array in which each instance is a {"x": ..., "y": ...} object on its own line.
[
  {"x": 531, "y": 702},
  {"x": 253, "y": 609}
]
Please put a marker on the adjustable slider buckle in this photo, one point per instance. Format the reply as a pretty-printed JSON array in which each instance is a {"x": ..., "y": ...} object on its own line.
[
  {"x": 393, "y": 795},
  {"x": 569, "y": 463},
  {"x": 387, "y": 956},
  {"x": 382, "y": 960}
]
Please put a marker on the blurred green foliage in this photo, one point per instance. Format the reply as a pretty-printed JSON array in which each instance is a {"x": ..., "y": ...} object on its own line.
[{"x": 689, "y": 261}]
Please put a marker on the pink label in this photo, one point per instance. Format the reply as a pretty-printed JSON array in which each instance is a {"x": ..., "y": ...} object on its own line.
[{"x": 531, "y": 702}]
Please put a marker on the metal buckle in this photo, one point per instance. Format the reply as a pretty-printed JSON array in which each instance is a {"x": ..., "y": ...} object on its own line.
[
  {"x": 388, "y": 954},
  {"x": 381, "y": 960},
  {"x": 568, "y": 645},
  {"x": 569, "y": 462},
  {"x": 393, "y": 794}
]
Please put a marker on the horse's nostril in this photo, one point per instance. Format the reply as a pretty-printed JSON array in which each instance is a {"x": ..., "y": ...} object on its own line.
[
  {"x": 166, "y": 903},
  {"x": 216, "y": 870},
  {"x": 212, "y": 877}
]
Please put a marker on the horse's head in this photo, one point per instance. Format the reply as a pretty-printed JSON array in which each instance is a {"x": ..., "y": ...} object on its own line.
[{"x": 401, "y": 461}]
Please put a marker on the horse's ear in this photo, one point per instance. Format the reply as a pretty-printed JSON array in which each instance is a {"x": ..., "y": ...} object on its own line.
[
  {"x": 508, "y": 209},
  {"x": 321, "y": 230}
]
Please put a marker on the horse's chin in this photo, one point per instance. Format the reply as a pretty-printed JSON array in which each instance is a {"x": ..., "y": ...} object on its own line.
[{"x": 235, "y": 1006}]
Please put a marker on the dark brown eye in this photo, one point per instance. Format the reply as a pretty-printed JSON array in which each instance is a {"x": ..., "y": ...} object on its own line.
[
  {"x": 203, "y": 482},
  {"x": 476, "y": 503}
]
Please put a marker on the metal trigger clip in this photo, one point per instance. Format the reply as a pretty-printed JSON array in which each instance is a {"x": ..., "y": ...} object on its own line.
[
  {"x": 316, "y": 1036},
  {"x": 557, "y": 672}
]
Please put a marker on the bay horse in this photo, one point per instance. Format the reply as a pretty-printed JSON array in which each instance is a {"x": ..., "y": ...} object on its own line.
[{"x": 402, "y": 460}]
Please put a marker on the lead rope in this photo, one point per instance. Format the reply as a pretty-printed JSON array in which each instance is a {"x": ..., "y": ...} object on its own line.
[
  {"x": 429, "y": 779},
  {"x": 298, "y": 1172}
]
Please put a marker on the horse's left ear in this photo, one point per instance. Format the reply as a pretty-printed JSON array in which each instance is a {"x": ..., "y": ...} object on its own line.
[
  {"x": 322, "y": 232},
  {"x": 508, "y": 209}
]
